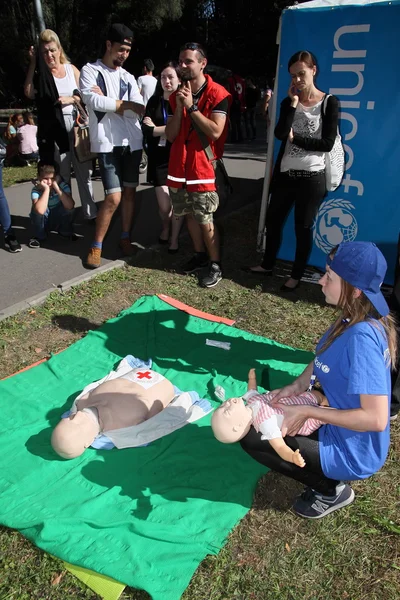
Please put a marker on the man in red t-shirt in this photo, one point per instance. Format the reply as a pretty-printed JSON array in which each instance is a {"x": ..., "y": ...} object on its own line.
[{"x": 198, "y": 104}]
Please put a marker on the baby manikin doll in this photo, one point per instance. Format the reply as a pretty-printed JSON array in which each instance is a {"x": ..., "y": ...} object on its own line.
[
  {"x": 123, "y": 402},
  {"x": 233, "y": 419}
]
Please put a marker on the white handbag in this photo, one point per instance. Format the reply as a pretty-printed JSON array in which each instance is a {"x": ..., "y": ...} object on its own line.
[{"x": 334, "y": 160}]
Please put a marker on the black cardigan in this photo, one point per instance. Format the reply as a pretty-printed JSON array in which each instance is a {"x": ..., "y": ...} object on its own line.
[
  {"x": 284, "y": 125},
  {"x": 329, "y": 126}
]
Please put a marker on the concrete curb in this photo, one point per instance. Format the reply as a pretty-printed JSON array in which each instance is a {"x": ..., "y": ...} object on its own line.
[{"x": 12, "y": 310}]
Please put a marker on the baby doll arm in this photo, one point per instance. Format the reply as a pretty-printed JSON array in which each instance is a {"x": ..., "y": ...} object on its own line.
[
  {"x": 320, "y": 398},
  {"x": 252, "y": 380},
  {"x": 286, "y": 453}
]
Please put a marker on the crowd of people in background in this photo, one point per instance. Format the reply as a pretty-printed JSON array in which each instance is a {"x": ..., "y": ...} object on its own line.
[{"x": 126, "y": 122}]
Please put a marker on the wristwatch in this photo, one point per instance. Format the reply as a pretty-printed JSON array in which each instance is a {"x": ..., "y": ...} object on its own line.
[{"x": 193, "y": 108}]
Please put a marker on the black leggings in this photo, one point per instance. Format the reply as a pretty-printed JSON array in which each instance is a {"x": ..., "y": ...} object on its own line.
[
  {"x": 311, "y": 475},
  {"x": 306, "y": 193}
]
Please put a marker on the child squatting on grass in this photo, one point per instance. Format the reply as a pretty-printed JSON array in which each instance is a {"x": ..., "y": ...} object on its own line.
[
  {"x": 52, "y": 206},
  {"x": 352, "y": 364}
]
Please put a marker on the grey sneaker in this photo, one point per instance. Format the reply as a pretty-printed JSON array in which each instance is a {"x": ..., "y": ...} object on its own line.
[
  {"x": 213, "y": 277},
  {"x": 312, "y": 505},
  {"x": 12, "y": 244},
  {"x": 198, "y": 261}
]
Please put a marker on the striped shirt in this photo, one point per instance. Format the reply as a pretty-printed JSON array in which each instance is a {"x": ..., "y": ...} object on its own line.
[{"x": 260, "y": 405}]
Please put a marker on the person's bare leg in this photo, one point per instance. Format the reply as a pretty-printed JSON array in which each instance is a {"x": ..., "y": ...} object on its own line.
[
  {"x": 127, "y": 208},
  {"x": 164, "y": 210},
  {"x": 211, "y": 240},
  {"x": 104, "y": 216},
  {"x": 176, "y": 226},
  {"x": 196, "y": 234}
]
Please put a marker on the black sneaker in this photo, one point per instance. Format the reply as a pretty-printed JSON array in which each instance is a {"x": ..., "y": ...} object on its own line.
[
  {"x": 213, "y": 277},
  {"x": 34, "y": 243},
  {"x": 12, "y": 244},
  {"x": 198, "y": 261},
  {"x": 312, "y": 505}
]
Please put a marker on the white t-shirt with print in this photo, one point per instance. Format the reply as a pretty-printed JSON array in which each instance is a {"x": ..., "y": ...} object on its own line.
[{"x": 307, "y": 122}]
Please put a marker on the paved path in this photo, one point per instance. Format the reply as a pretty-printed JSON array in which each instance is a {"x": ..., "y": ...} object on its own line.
[{"x": 33, "y": 272}]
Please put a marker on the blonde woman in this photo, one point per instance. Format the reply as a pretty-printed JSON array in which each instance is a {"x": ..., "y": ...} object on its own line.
[
  {"x": 54, "y": 83},
  {"x": 352, "y": 364}
]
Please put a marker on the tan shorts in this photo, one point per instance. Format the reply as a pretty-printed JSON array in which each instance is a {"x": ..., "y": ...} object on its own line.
[{"x": 202, "y": 205}]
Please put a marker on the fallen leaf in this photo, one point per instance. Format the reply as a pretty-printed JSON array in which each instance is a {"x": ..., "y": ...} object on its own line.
[
  {"x": 287, "y": 547},
  {"x": 57, "y": 578},
  {"x": 32, "y": 312},
  {"x": 38, "y": 350}
]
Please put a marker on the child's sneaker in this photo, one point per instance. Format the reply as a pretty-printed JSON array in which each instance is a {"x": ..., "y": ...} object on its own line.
[
  {"x": 12, "y": 244},
  {"x": 34, "y": 243},
  {"x": 93, "y": 260}
]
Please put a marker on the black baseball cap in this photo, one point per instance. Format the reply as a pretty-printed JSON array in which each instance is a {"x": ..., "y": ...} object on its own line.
[{"x": 120, "y": 33}]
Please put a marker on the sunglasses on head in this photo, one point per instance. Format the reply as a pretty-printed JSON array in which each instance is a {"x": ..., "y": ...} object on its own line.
[{"x": 194, "y": 46}]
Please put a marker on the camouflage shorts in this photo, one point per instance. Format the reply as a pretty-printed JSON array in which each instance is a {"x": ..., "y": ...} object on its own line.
[{"x": 201, "y": 205}]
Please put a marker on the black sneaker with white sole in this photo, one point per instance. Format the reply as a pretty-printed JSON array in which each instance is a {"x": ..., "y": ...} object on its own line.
[
  {"x": 12, "y": 244},
  {"x": 213, "y": 276},
  {"x": 198, "y": 261},
  {"x": 312, "y": 505}
]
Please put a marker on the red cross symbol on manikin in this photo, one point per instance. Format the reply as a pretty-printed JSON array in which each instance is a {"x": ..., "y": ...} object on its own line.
[{"x": 145, "y": 375}]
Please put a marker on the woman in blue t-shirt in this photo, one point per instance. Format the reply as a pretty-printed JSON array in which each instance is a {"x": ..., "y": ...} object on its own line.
[{"x": 352, "y": 364}]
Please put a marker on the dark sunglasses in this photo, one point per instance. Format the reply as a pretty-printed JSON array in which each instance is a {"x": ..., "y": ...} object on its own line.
[{"x": 194, "y": 46}]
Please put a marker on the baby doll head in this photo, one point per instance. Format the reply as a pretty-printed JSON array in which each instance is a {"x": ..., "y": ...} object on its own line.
[
  {"x": 74, "y": 434},
  {"x": 231, "y": 421}
]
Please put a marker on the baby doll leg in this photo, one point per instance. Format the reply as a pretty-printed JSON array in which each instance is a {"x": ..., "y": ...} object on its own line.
[{"x": 286, "y": 453}]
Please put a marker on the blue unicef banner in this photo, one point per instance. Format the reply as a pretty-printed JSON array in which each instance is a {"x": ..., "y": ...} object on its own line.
[{"x": 357, "y": 49}]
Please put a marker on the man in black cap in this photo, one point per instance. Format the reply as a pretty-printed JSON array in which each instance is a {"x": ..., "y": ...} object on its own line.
[{"x": 115, "y": 106}]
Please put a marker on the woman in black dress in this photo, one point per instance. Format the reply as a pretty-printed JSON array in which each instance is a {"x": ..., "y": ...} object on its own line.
[{"x": 158, "y": 148}]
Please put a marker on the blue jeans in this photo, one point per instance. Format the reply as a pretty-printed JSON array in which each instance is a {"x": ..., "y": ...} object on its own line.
[
  {"x": 57, "y": 219},
  {"x": 5, "y": 218}
]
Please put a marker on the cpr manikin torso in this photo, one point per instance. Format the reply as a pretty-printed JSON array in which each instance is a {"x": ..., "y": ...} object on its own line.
[
  {"x": 128, "y": 400},
  {"x": 233, "y": 419},
  {"x": 123, "y": 402}
]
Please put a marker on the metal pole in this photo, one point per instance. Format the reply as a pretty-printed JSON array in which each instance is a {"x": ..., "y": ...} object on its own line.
[{"x": 39, "y": 15}]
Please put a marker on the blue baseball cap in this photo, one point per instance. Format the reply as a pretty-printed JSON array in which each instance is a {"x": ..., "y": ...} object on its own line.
[{"x": 362, "y": 265}]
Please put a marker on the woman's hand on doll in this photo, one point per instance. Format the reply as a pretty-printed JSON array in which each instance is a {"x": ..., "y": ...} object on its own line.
[
  {"x": 293, "y": 389},
  {"x": 294, "y": 418}
]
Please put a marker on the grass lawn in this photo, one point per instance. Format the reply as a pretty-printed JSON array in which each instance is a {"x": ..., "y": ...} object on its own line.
[
  {"x": 12, "y": 175},
  {"x": 351, "y": 555}
]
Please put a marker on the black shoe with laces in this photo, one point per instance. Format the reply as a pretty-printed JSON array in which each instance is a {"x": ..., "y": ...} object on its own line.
[
  {"x": 312, "y": 505},
  {"x": 213, "y": 276},
  {"x": 12, "y": 244},
  {"x": 198, "y": 261}
]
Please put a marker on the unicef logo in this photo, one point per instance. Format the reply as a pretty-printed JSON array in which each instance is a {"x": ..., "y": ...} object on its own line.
[
  {"x": 325, "y": 369},
  {"x": 335, "y": 223}
]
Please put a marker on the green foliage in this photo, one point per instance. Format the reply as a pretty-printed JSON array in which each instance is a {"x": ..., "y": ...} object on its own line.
[{"x": 239, "y": 34}]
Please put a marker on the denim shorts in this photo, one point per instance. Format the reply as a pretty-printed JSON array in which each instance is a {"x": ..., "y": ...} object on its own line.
[{"x": 119, "y": 169}]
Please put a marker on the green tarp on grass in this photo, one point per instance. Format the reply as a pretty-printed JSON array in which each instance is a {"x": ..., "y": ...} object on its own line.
[{"x": 144, "y": 516}]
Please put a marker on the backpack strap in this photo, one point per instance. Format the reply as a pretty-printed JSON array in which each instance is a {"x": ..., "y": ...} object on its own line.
[{"x": 324, "y": 104}]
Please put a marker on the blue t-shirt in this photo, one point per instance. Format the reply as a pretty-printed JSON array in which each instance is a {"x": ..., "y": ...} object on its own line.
[
  {"x": 357, "y": 362},
  {"x": 54, "y": 198}
]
